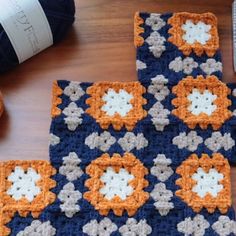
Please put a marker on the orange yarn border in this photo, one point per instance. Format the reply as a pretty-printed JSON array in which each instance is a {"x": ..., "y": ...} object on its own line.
[
  {"x": 56, "y": 100},
  {"x": 97, "y": 91},
  {"x": 138, "y": 30},
  {"x": 214, "y": 85},
  {"x": 9, "y": 206},
  {"x": 178, "y": 19},
  {"x": 186, "y": 183},
  {"x": 94, "y": 184}
]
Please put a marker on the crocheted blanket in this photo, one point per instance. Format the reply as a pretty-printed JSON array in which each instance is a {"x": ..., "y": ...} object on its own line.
[{"x": 150, "y": 157}]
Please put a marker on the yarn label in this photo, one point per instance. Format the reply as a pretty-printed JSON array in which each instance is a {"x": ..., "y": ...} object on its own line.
[{"x": 27, "y": 27}]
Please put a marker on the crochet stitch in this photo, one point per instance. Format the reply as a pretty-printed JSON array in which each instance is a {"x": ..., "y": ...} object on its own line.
[
  {"x": 150, "y": 157},
  {"x": 56, "y": 100},
  {"x": 23, "y": 184},
  {"x": 197, "y": 32},
  {"x": 25, "y": 188},
  {"x": 202, "y": 101},
  {"x": 38, "y": 228},
  {"x": 205, "y": 182},
  {"x": 117, "y": 104},
  {"x": 69, "y": 197},
  {"x": 128, "y": 195}
]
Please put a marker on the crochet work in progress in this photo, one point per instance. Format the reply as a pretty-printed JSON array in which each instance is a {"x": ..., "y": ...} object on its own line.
[{"x": 142, "y": 158}]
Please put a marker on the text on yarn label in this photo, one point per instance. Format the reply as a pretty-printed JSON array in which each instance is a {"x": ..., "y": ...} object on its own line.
[{"x": 26, "y": 26}]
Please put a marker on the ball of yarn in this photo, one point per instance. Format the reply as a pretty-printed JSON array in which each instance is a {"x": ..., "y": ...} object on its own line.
[
  {"x": 1, "y": 104},
  {"x": 60, "y": 15}
]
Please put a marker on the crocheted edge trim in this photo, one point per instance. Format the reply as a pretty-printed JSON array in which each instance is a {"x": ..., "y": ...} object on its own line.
[
  {"x": 56, "y": 100},
  {"x": 138, "y": 30},
  {"x": 176, "y": 32},
  {"x": 97, "y": 91},
  {"x": 9, "y": 206},
  {"x": 186, "y": 183},
  {"x": 134, "y": 166},
  {"x": 181, "y": 102}
]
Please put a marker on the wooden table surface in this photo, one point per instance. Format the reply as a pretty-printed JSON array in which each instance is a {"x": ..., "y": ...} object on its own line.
[{"x": 99, "y": 47}]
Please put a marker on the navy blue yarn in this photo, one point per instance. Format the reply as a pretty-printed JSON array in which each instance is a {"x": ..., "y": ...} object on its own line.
[
  {"x": 159, "y": 143},
  {"x": 60, "y": 15},
  {"x": 160, "y": 66}
]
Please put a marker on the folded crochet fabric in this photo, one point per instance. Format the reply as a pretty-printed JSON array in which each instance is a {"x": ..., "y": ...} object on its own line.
[{"x": 150, "y": 157}]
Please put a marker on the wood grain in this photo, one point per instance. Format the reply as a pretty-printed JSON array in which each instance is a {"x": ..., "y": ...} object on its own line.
[{"x": 99, "y": 47}]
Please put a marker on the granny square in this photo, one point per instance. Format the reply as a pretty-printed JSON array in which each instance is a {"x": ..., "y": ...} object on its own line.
[
  {"x": 150, "y": 157},
  {"x": 24, "y": 188}
]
